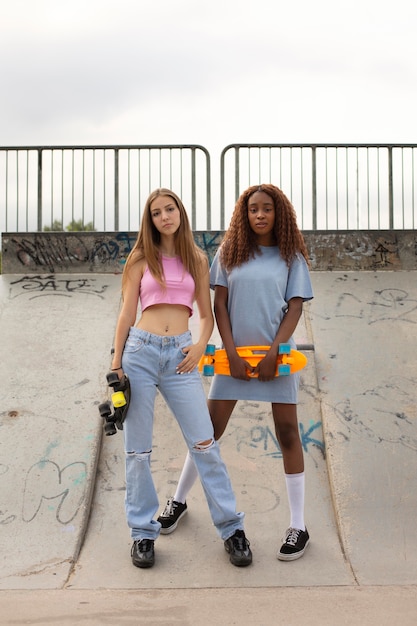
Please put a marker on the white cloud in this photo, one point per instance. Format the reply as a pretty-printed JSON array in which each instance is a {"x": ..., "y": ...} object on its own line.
[{"x": 100, "y": 71}]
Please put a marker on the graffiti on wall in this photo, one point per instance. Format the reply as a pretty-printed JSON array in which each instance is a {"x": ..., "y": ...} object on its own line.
[
  {"x": 50, "y": 489},
  {"x": 384, "y": 410},
  {"x": 60, "y": 251},
  {"x": 35, "y": 285},
  {"x": 97, "y": 252},
  {"x": 262, "y": 438},
  {"x": 356, "y": 250},
  {"x": 107, "y": 252}
]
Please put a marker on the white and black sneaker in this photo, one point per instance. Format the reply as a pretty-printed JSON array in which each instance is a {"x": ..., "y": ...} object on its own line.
[
  {"x": 295, "y": 543},
  {"x": 171, "y": 515}
]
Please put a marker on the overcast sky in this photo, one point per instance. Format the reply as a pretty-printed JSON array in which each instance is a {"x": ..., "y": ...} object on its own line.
[{"x": 212, "y": 73}]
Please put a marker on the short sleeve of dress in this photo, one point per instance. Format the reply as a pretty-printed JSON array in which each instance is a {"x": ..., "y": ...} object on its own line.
[
  {"x": 218, "y": 275},
  {"x": 299, "y": 281}
]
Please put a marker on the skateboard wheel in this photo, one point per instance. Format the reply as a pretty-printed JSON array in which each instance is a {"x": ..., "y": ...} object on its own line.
[
  {"x": 208, "y": 370},
  {"x": 109, "y": 428},
  {"x": 112, "y": 379},
  {"x": 210, "y": 349},
  {"x": 104, "y": 409},
  {"x": 284, "y": 369},
  {"x": 284, "y": 348},
  {"x": 118, "y": 399}
]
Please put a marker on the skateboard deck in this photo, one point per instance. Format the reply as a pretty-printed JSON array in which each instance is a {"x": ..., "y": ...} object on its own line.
[{"x": 215, "y": 361}]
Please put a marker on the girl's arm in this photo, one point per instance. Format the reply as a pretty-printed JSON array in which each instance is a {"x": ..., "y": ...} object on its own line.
[
  {"x": 196, "y": 350},
  {"x": 289, "y": 323},
  {"x": 267, "y": 367},
  {"x": 127, "y": 315},
  {"x": 204, "y": 308}
]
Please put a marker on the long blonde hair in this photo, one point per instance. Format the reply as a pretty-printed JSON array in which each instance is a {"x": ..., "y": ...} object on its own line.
[{"x": 147, "y": 245}]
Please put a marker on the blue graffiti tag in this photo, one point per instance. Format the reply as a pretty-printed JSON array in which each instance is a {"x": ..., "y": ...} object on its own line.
[
  {"x": 264, "y": 438},
  {"x": 306, "y": 440}
]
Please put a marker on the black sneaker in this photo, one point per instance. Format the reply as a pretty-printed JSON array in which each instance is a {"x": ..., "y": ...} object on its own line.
[
  {"x": 143, "y": 554},
  {"x": 171, "y": 515},
  {"x": 238, "y": 547},
  {"x": 295, "y": 543}
]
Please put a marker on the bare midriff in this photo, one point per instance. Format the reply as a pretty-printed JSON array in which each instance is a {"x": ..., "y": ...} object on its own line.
[{"x": 165, "y": 319}]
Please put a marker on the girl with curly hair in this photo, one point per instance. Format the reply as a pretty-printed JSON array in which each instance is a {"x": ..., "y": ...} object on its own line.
[
  {"x": 260, "y": 276},
  {"x": 167, "y": 272}
]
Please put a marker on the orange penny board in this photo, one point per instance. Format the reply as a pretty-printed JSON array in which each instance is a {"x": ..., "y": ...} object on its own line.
[{"x": 216, "y": 361}]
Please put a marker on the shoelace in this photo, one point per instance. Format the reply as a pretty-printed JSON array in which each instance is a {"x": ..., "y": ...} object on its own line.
[
  {"x": 141, "y": 545},
  {"x": 169, "y": 509},
  {"x": 292, "y": 536},
  {"x": 241, "y": 542}
]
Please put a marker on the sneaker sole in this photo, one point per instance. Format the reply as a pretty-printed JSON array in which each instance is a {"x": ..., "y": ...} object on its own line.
[
  {"x": 241, "y": 563},
  {"x": 294, "y": 556},
  {"x": 144, "y": 564},
  {"x": 170, "y": 529}
]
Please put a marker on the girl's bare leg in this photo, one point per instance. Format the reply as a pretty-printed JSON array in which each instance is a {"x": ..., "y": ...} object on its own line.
[{"x": 286, "y": 429}]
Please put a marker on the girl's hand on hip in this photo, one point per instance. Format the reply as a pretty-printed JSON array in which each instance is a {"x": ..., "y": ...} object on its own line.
[{"x": 190, "y": 361}]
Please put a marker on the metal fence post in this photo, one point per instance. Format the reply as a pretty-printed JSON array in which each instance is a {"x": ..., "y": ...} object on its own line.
[
  {"x": 193, "y": 190},
  {"x": 116, "y": 189},
  {"x": 390, "y": 189},
  {"x": 39, "y": 189},
  {"x": 314, "y": 186}
]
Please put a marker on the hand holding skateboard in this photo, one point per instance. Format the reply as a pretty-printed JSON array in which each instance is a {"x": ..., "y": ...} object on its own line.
[{"x": 215, "y": 361}]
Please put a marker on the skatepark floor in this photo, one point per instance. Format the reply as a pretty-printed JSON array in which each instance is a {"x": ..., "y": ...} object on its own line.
[{"x": 64, "y": 540}]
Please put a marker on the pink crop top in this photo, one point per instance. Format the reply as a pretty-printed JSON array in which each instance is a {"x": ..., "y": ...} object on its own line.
[{"x": 180, "y": 286}]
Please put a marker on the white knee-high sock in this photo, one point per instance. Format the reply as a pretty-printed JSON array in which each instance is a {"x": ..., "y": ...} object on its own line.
[
  {"x": 295, "y": 491},
  {"x": 187, "y": 479}
]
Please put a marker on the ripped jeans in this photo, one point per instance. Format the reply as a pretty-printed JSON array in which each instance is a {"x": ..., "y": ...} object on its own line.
[{"x": 150, "y": 361}]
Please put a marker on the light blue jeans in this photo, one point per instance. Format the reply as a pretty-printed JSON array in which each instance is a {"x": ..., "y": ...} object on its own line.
[{"x": 150, "y": 362}]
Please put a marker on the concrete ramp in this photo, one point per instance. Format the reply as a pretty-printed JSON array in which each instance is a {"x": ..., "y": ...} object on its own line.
[
  {"x": 365, "y": 333},
  {"x": 361, "y": 475},
  {"x": 56, "y": 332},
  {"x": 357, "y": 422},
  {"x": 193, "y": 557}
]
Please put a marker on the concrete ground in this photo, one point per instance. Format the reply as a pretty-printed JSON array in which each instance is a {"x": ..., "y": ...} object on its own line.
[{"x": 63, "y": 535}]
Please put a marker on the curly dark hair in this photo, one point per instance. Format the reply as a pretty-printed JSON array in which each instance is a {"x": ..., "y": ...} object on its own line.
[{"x": 239, "y": 242}]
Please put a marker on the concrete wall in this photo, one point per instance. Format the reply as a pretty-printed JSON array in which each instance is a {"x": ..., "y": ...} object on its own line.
[{"x": 98, "y": 252}]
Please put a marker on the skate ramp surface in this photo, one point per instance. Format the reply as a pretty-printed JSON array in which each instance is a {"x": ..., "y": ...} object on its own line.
[
  {"x": 365, "y": 333},
  {"x": 57, "y": 495},
  {"x": 56, "y": 333},
  {"x": 193, "y": 556},
  {"x": 358, "y": 426},
  {"x": 62, "y": 493}
]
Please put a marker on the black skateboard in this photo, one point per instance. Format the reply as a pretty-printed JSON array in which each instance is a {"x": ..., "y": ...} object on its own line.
[{"x": 114, "y": 412}]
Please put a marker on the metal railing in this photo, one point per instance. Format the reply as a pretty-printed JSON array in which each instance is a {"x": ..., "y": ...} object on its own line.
[
  {"x": 332, "y": 186},
  {"x": 102, "y": 187}
]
